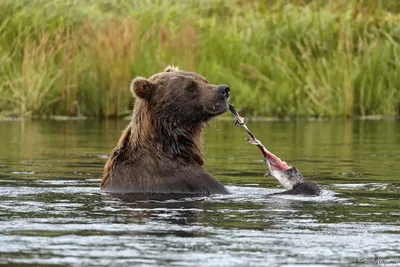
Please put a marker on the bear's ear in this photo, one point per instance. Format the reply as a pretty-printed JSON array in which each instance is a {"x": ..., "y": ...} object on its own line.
[
  {"x": 142, "y": 88},
  {"x": 171, "y": 69}
]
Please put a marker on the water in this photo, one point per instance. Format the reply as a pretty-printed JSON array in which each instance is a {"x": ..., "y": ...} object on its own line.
[{"x": 53, "y": 214}]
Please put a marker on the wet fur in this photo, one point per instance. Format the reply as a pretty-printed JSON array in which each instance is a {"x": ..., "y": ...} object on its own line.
[{"x": 161, "y": 150}]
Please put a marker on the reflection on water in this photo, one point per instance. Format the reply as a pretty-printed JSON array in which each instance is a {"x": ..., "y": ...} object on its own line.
[{"x": 52, "y": 212}]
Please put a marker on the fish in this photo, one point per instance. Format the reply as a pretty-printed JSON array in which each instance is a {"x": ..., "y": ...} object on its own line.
[{"x": 288, "y": 176}]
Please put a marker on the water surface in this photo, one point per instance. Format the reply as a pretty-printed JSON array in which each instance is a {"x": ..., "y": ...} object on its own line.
[{"x": 52, "y": 212}]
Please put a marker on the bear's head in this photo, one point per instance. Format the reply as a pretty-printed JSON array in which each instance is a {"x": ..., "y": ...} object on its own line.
[{"x": 180, "y": 99}]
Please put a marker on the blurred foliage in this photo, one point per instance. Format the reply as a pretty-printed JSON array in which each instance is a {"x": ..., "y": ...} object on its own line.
[{"x": 281, "y": 58}]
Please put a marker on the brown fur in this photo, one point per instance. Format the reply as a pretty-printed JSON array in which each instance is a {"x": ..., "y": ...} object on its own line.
[{"x": 161, "y": 150}]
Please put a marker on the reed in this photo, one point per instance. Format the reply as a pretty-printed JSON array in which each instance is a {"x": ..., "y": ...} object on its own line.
[{"x": 281, "y": 58}]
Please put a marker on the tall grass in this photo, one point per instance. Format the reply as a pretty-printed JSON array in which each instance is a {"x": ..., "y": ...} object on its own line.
[{"x": 281, "y": 58}]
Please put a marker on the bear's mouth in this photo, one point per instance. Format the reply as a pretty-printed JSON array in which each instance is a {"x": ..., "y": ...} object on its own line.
[{"x": 217, "y": 108}]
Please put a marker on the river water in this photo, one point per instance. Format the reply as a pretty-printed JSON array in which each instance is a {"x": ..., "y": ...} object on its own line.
[{"x": 53, "y": 214}]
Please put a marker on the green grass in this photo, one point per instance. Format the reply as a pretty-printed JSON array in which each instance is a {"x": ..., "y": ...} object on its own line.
[{"x": 281, "y": 58}]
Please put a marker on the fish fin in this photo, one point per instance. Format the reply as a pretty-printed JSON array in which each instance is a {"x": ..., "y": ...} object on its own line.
[
  {"x": 253, "y": 141},
  {"x": 241, "y": 123}
]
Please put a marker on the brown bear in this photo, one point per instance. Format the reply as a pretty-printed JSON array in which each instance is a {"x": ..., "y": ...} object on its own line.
[{"x": 161, "y": 150}]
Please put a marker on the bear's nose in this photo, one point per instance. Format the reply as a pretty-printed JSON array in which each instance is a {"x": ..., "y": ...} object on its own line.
[{"x": 225, "y": 91}]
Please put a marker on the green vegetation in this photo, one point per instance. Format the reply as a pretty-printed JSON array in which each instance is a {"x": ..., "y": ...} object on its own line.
[{"x": 281, "y": 58}]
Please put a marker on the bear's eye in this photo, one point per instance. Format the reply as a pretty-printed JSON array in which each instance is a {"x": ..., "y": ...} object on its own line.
[{"x": 191, "y": 87}]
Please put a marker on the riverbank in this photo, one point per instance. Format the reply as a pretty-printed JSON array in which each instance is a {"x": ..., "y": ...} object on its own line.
[
  {"x": 221, "y": 118},
  {"x": 77, "y": 58}
]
